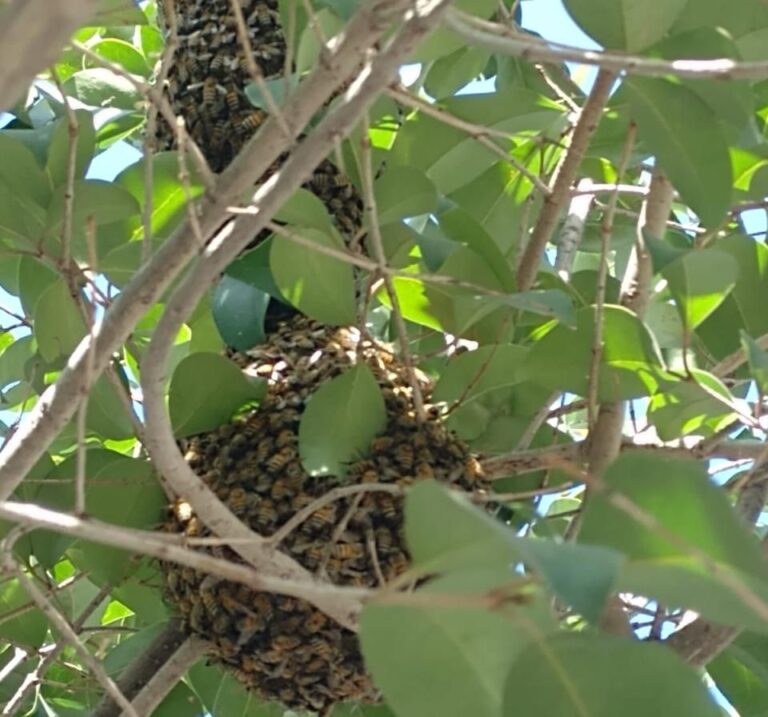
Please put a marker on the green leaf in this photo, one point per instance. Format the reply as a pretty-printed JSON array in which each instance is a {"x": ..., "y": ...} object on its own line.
[
  {"x": 100, "y": 87},
  {"x": 327, "y": 25},
  {"x": 741, "y": 674},
  {"x": 318, "y": 285},
  {"x": 252, "y": 268},
  {"x": 59, "y": 324},
  {"x": 625, "y": 24},
  {"x": 701, "y": 405},
  {"x": 679, "y": 497},
  {"x": 122, "y": 54},
  {"x": 181, "y": 701},
  {"x": 451, "y": 72},
  {"x": 222, "y": 694},
  {"x": 758, "y": 361},
  {"x": 446, "y": 661},
  {"x": 206, "y": 390},
  {"x": 404, "y": 192},
  {"x": 675, "y": 124},
  {"x": 630, "y": 366},
  {"x": 118, "y": 12},
  {"x": 107, "y": 416},
  {"x": 699, "y": 281},
  {"x": 751, "y": 290},
  {"x": 22, "y": 172},
  {"x": 306, "y": 210},
  {"x": 30, "y": 626},
  {"x": 601, "y": 676},
  {"x": 239, "y": 310},
  {"x": 58, "y": 150},
  {"x": 341, "y": 418}
]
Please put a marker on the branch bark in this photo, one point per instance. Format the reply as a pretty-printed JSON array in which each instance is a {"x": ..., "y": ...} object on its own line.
[
  {"x": 563, "y": 181},
  {"x": 59, "y": 402},
  {"x": 32, "y": 34}
]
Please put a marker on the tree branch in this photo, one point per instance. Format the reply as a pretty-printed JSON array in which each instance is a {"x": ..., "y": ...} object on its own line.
[
  {"x": 501, "y": 39},
  {"x": 32, "y": 34},
  {"x": 561, "y": 185},
  {"x": 59, "y": 402}
]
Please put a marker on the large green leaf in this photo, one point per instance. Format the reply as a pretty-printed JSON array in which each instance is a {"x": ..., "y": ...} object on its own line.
[
  {"x": 625, "y": 24},
  {"x": 239, "y": 310},
  {"x": 59, "y": 323},
  {"x": 59, "y": 152},
  {"x": 751, "y": 290},
  {"x": 30, "y": 626},
  {"x": 630, "y": 366},
  {"x": 318, "y": 285},
  {"x": 22, "y": 172},
  {"x": 589, "y": 675},
  {"x": 453, "y": 71},
  {"x": 222, "y": 694},
  {"x": 100, "y": 87},
  {"x": 445, "y": 661},
  {"x": 342, "y": 417},
  {"x": 404, "y": 192},
  {"x": 675, "y": 124},
  {"x": 691, "y": 512},
  {"x": 741, "y": 674},
  {"x": 206, "y": 390},
  {"x": 699, "y": 281}
]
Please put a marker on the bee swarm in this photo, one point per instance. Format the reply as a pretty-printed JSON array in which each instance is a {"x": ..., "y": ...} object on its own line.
[
  {"x": 206, "y": 84},
  {"x": 282, "y": 647}
]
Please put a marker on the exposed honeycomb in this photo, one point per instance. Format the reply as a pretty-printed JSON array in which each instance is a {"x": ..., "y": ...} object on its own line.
[{"x": 284, "y": 648}]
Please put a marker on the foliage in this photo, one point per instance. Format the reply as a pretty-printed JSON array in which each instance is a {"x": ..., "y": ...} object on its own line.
[{"x": 458, "y": 190}]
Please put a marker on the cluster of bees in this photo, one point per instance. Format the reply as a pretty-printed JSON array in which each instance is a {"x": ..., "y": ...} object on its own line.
[
  {"x": 206, "y": 86},
  {"x": 282, "y": 647}
]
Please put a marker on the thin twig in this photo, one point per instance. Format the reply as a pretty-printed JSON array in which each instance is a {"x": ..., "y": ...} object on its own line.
[
  {"x": 563, "y": 179},
  {"x": 369, "y": 198}
]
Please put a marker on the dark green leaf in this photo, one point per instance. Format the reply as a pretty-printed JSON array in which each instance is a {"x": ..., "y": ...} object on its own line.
[
  {"x": 675, "y": 124},
  {"x": 741, "y": 674},
  {"x": 693, "y": 515},
  {"x": 630, "y": 366},
  {"x": 252, "y": 268},
  {"x": 59, "y": 323},
  {"x": 625, "y": 24},
  {"x": 30, "y": 626},
  {"x": 122, "y": 54},
  {"x": 602, "y": 676},
  {"x": 118, "y": 12},
  {"x": 100, "y": 87},
  {"x": 239, "y": 310},
  {"x": 404, "y": 192},
  {"x": 342, "y": 417},
  {"x": 306, "y": 210},
  {"x": 222, "y": 694},
  {"x": 700, "y": 281},
  {"x": 451, "y": 72},
  {"x": 58, "y": 150},
  {"x": 22, "y": 172},
  {"x": 206, "y": 390},
  {"x": 318, "y": 285}
]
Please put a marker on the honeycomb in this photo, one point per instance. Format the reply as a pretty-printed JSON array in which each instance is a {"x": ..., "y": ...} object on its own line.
[{"x": 281, "y": 647}]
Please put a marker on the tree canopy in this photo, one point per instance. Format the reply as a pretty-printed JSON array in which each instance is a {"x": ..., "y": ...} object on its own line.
[{"x": 520, "y": 432}]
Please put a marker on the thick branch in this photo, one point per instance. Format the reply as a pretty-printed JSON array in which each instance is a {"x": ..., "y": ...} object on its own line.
[
  {"x": 561, "y": 188},
  {"x": 32, "y": 34},
  {"x": 267, "y": 199},
  {"x": 139, "y": 673},
  {"x": 500, "y": 38},
  {"x": 59, "y": 402}
]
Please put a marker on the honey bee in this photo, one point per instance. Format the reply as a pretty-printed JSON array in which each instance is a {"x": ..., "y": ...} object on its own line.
[
  {"x": 208, "y": 595},
  {"x": 286, "y": 437},
  {"x": 280, "y": 459},
  {"x": 264, "y": 449},
  {"x": 370, "y": 476},
  {"x": 396, "y": 565},
  {"x": 315, "y": 554},
  {"x": 226, "y": 648},
  {"x": 219, "y": 63},
  {"x": 250, "y": 122},
  {"x": 349, "y": 551},
  {"x": 238, "y": 501},
  {"x": 382, "y": 444},
  {"x": 472, "y": 468},
  {"x": 384, "y": 540},
  {"x": 321, "y": 648},
  {"x": 173, "y": 581},
  {"x": 404, "y": 455},
  {"x": 197, "y": 617},
  {"x": 247, "y": 626},
  {"x": 424, "y": 470},
  {"x": 220, "y": 624},
  {"x": 266, "y": 514},
  {"x": 294, "y": 471},
  {"x": 233, "y": 99},
  {"x": 263, "y": 606},
  {"x": 316, "y": 621},
  {"x": 388, "y": 507},
  {"x": 209, "y": 90},
  {"x": 261, "y": 15},
  {"x": 188, "y": 575},
  {"x": 322, "y": 517}
]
